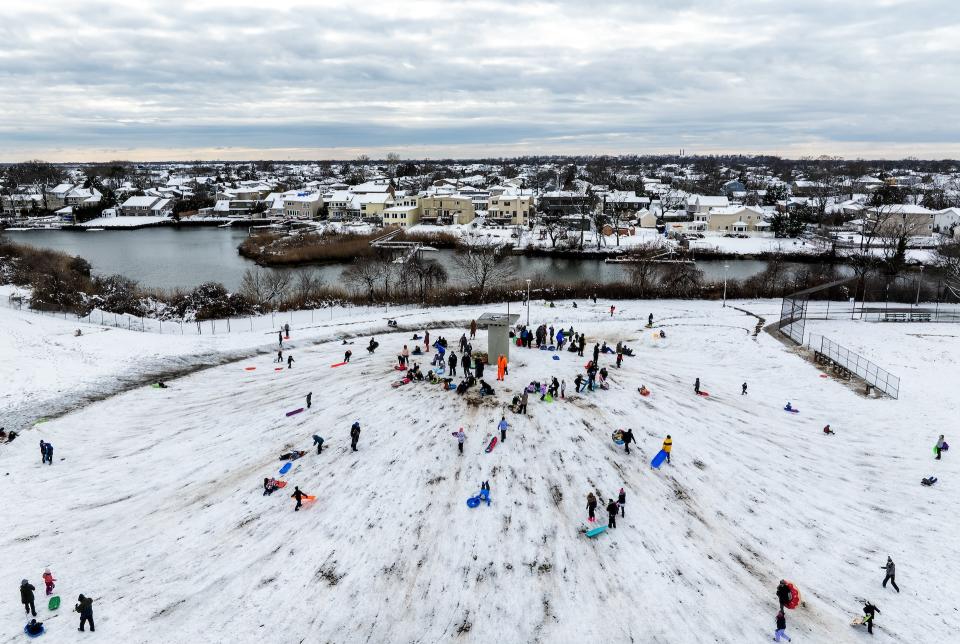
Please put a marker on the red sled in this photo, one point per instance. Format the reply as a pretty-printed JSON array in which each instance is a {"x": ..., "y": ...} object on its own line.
[
  {"x": 703, "y": 393},
  {"x": 794, "y": 596},
  {"x": 249, "y": 368},
  {"x": 493, "y": 443},
  {"x": 399, "y": 367},
  {"x": 278, "y": 368},
  {"x": 339, "y": 364},
  {"x": 400, "y": 383}
]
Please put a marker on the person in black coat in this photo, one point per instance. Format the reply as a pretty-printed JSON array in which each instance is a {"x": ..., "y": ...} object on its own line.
[
  {"x": 452, "y": 363},
  {"x": 622, "y": 502},
  {"x": 612, "y": 511},
  {"x": 34, "y": 628},
  {"x": 627, "y": 439},
  {"x": 478, "y": 369},
  {"x": 869, "y": 613},
  {"x": 354, "y": 435},
  {"x": 85, "y": 608},
  {"x": 298, "y": 494},
  {"x": 26, "y": 597},
  {"x": 466, "y": 364},
  {"x": 783, "y": 594}
]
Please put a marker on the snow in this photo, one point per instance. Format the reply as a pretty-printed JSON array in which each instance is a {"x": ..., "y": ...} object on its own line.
[
  {"x": 155, "y": 509},
  {"x": 125, "y": 222}
]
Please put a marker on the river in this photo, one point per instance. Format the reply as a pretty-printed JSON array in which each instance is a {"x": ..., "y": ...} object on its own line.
[{"x": 185, "y": 257}]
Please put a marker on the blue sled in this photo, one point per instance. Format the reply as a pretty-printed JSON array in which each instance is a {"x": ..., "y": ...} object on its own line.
[
  {"x": 556, "y": 357},
  {"x": 43, "y": 629},
  {"x": 475, "y": 501},
  {"x": 791, "y": 411},
  {"x": 658, "y": 459},
  {"x": 592, "y": 532},
  {"x": 286, "y": 468}
]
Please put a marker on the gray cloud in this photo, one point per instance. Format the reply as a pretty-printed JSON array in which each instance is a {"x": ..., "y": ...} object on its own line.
[{"x": 245, "y": 79}]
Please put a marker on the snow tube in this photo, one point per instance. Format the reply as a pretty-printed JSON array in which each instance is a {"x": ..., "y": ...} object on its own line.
[
  {"x": 617, "y": 437},
  {"x": 451, "y": 386},
  {"x": 473, "y": 501},
  {"x": 791, "y": 411},
  {"x": 794, "y": 596},
  {"x": 43, "y": 629},
  {"x": 551, "y": 348},
  {"x": 556, "y": 357}
]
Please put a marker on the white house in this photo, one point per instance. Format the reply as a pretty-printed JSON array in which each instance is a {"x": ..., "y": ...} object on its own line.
[
  {"x": 703, "y": 204},
  {"x": 944, "y": 220},
  {"x": 146, "y": 207}
]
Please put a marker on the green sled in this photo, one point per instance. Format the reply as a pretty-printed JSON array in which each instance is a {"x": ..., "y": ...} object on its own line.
[{"x": 54, "y": 602}]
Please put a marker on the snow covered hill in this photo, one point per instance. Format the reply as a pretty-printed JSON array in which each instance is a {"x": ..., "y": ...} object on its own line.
[{"x": 153, "y": 505}]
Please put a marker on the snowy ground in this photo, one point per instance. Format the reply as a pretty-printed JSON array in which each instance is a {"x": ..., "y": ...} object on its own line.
[
  {"x": 153, "y": 506},
  {"x": 125, "y": 222}
]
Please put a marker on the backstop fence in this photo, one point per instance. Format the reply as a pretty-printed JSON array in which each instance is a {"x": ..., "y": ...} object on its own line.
[{"x": 828, "y": 352}]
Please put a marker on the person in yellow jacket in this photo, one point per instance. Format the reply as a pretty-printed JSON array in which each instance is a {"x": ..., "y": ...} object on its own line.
[{"x": 667, "y": 446}]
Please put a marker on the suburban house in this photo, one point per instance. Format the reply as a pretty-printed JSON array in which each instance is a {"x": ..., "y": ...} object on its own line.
[
  {"x": 403, "y": 216},
  {"x": 562, "y": 203},
  {"x": 946, "y": 220},
  {"x": 915, "y": 220},
  {"x": 302, "y": 205},
  {"x": 701, "y": 204},
  {"x": 510, "y": 210},
  {"x": 731, "y": 219},
  {"x": 20, "y": 204},
  {"x": 447, "y": 209},
  {"x": 146, "y": 207}
]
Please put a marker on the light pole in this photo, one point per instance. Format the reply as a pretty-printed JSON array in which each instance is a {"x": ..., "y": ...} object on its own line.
[
  {"x": 725, "y": 267},
  {"x": 528, "y": 303},
  {"x": 919, "y": 282}
]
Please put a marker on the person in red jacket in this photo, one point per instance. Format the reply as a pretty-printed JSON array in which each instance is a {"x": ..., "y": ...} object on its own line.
[{"x": 48, "y": 581}]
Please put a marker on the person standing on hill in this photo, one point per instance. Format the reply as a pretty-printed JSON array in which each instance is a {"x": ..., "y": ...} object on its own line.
[
  {"x": 627, "y": 439},
  {"x": 891, "y": 574},
  {"x": 426, "y": 341},
  {"x": 503, "y": 426},
  {"x": 696, "y": 386},
  {"x": 85, "y": 608},
  {"x": 938, "y": 448},
  {"x": 309, "y": 399},
  {"x": 43, "y": 452},
  {"x": 743, "y": 389},
  {"x": 783, "y": 594},
  {"x": 869, "y": 614},
  {"x": 612, "y": 511},
  {"x": 290, "y": 362},
  {"x": 622, "y": 502},
  {"x": 523, "y": 401},
  {"x": 460, "y": 436},
  {"x": 596, "y": 354},
  {"x": 465, "y": 361},
  {"x": 286, "y": 330},
  {"x": 280, "y": 337},
  {"x": 26, "y": 597},
  {"x": 318, "y": 441},
  {"x": 452, "y": 363},
  {"x": 473, "y": 329},
  {"x": 280, "y": 356},
  {"x": 346, "y": 355},
  {"x": 591, "y": 507},
  {"x": 650, "y": 320},
  {"x": 667, "y": 446},
  {"x": 354, "y": 435}
]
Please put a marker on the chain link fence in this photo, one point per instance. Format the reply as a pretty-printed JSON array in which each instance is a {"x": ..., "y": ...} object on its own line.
[{"x": 828, "y": 351}]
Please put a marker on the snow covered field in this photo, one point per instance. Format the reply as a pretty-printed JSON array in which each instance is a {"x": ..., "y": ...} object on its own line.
[{"x": 153, "y": 505}]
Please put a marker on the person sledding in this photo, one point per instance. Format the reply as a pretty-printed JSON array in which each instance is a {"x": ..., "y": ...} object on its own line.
[
  {"x": 828, "y": 431},
  {"x": 270, "y": 486},
  {"x": 939, "y": 447},
  {"x": 291, "y": 456},
  {"x": 346, "y": 355},
  {"x": 33, "y": 628},
  {"x": 643, "y": 390},
  {"x": 788, "y": 406},
  {"x": 372, "y": 346}
]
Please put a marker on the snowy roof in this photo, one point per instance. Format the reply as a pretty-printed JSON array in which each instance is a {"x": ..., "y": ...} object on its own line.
[
  {"x": 138, "y": 202},
  {"x": 708, "y": 201}
]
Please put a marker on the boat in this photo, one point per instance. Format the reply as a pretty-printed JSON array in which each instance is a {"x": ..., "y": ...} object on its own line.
[{"x": 95, "y": 230}]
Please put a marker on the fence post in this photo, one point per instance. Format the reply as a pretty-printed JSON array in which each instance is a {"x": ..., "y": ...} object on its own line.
[{"x": 228, "y": 325}]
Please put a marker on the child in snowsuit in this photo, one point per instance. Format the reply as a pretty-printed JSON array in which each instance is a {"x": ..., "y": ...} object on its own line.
[
  {"x": 460, "y": 436},
  {"x": 34, "y": 628},
  {"x": 318, "y": 441},
  {"x": 781, "y": 627},
  {"x": 827, "y": 430},
  {"x": 938, "y": 448},
  {"x": 591, "y": 507},
  {"x": 504, "y": 425},
  {"x": 622, "y": 501},
  {"x": 48, "y": 581}
]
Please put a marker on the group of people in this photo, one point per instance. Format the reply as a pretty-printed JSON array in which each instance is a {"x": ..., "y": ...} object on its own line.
[
  {"x": 84, "y": 605},
  {"x": 613, "y": 508}
]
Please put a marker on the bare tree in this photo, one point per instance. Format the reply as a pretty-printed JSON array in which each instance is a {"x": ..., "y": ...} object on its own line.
[
  {"x": 363, "y": 275},
  {"x": 482, "y": 265},
  {"x": 644, "y": 267},
  {"x": 895, "y": 233},
  {"x": 393, "y": 160},
  {"x": 682, "y": 279},
  {"x": 264, "y": 288},
  {"x": 308, "y": 284}
]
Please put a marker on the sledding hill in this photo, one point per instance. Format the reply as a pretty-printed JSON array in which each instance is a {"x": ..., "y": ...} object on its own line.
[{"x": 156, "y": 510}]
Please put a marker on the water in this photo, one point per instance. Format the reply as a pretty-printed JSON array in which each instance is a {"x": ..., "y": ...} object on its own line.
[{"x": 183, "y": 258}]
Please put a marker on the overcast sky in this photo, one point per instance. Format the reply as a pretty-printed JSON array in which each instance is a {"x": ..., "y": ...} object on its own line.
[{"x": 95, "y": 80}]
